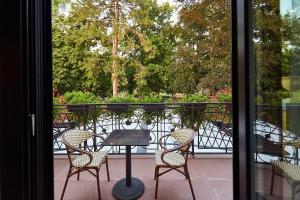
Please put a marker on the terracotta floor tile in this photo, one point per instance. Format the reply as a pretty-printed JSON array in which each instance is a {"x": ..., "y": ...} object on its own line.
[{"x": 211, "y": 179}]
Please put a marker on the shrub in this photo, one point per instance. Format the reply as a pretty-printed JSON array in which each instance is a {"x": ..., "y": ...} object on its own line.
[
  {"x": 82, "y": 113},
  {"x": 56, "y": 100},
  {"x": 78, "y": 97},
  {"x": 273, "y": 97},
  {"x": 191, "y": 112},
  {"x": 295, "y": 97},
  {"x": 151, "y": 99},
  {"x": 122, "y": 98},
  {"x": 194, "y": 98},
  {"x": 153, "y": 106},
  {"x": 259, "y": 100},
  {"x": 55, "y": 109},
  {"x": 224, "y": 97},
  {"x": 119, "y": 104}
]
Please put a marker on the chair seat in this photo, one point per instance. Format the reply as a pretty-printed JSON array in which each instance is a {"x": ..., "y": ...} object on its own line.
[
  {"x": 172, "y": 158},
  {"x": 98, "y": 158},
  {"x": 292, "y": 171}
]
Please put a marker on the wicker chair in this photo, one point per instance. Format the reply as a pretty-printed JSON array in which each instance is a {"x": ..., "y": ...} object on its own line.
[
  {"x": 287, "y": 170},
  {"x": 176, "y": 157},
  {"x": 85, "y": 160}
]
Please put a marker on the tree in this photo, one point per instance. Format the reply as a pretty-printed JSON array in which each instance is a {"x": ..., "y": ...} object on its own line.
[
  {"x": 276, "y": 43},
  {"x": 116, "y": 26},
  {"x": 203, "y": 57},
  {"x": 80, "y": 54},
  {"x": 149, "y": 45},
  {"x": 121, "y": 39}
]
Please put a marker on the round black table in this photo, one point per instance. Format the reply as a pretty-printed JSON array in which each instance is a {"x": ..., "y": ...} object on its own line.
[{"x": 129, "y": 187}]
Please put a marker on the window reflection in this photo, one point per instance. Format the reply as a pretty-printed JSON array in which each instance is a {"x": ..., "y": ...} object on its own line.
[{"x": 276, "y": 129}]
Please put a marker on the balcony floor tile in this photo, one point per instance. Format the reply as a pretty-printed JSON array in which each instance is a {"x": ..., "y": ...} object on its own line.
[{"x": 211, "y": 179}]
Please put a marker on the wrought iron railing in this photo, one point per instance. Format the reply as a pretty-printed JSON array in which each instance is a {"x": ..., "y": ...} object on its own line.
[
  {"x": 273, "y": 127},
  {"x": 211, "y": 120}
]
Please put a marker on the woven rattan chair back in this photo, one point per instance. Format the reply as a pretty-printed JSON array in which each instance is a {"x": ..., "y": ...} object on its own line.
[
  {"x": 83, "y": 160},
  {"x": 176, "y": 157},
  {"x": 184, "y": 137},
  {"x": 76, "y": 137}
]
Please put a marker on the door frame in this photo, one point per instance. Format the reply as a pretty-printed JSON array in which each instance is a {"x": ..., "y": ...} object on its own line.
[
  {"x": 242, "y": 87},
  {"x": 27, "y": 49},
  {"x": 39, "y": 14},
  {"x": 26, "y": 91}
]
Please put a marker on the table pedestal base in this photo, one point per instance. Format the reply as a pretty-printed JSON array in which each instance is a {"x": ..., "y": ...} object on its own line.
[{"x": 123, "y": 192}]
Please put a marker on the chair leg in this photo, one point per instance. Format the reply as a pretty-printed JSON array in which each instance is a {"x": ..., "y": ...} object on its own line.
[
  {"x": 107, "y": 170},
  {"x": 293, "y": 192},
  {"x": 155, "y": 172},
  {"x": 98, "y": 184},
  {"x": 190, "y": 182},
  {"x": 66, "y": 183},
  {"x": 78, "y": 176},
  {"x": 272, "y": 180},
  {"x": 157, "y": 177},
  {"x": 186, "y": 173}
]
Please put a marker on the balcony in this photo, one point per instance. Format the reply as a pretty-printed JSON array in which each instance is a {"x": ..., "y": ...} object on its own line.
[
  {"x": 210, "y": 162},
  {"x": 212, "y": 120},
  {"x": 208, "y": 184}
]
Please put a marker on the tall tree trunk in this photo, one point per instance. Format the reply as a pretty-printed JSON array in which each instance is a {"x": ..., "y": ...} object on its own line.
[{"x": 115, "y": 68}]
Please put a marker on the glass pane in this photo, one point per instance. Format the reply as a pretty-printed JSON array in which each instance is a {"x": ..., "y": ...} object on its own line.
[
  {"x": 156, "y": 65},
  {"x": 276, "y": 124}
]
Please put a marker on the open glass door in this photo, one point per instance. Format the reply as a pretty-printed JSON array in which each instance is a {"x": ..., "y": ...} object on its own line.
[{"x": 275, "y": 109}]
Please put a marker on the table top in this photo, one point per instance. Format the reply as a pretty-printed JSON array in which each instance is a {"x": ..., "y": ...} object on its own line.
[{"x": 127, "y": 138}]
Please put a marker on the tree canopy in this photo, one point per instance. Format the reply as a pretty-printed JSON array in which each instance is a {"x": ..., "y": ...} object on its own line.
[
  {"x": 140, "y": 47},
  {"x": 203, "y": 56}
]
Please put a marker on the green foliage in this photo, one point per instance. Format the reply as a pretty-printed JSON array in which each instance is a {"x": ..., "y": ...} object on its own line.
[
  {"x": 82, "y": 43},
  {"x": 295, "y": 97},
  {"x": 122, "y": 98},
  {"x": 58, "y": 6},
  {"x": 275, "y": 39},
  {"x": 56, "y": 100},
  {"x": 56, "y": 110},
  {"x": 268, "y": 37},
  {"x": 80, "y": 98},
  {"x": 151, "y": 79},
  {"x": 194, "y": 98},
  {"x": 191, "y": 112},
  {"x": 150, "y": 43},
  {"x": 224, "y": 97},
  {"x": 274, "y": 97},
  {"x": 81, "y": 113},
  {"x": 259, "y": 100},
  {"x": 77, "y": 63},
  {"x": 155, "y": 54},
  {"x": 203, "y": 57},
  {"x": 152, "y": 111},
  {"x": 151, "y": 99}
]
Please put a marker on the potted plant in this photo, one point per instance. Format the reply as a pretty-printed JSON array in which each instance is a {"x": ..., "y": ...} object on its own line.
[
  {"x": 78, "y": 101},
  {"x": 80, "y": 104},
  {"x": 57, "y": 109},
  {"x": 192, "y": 109},
  {"x": 120, "y": 103},
  {"x": 152, "y": 103},
  {"x": 194, "y": 102},
  {"x": 226, "y": 98}
]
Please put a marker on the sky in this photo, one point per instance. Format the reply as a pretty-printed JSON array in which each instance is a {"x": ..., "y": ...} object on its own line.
[
  {"x": 290, "y": 6},
  {"x": 172, "y": 2},
  {"x": 174, "y": 17}
]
